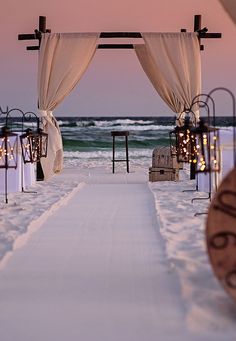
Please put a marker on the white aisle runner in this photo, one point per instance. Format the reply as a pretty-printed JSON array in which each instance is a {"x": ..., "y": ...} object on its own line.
[{"x": 94, "y": 271}]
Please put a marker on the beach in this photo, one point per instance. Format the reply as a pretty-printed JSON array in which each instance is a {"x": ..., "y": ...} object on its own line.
[
  {"x": 129, "y": 260},
  {"x": 93, "y": 255}
]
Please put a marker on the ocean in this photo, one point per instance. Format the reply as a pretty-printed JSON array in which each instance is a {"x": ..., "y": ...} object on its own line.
[{"x": 87, "y": 141}]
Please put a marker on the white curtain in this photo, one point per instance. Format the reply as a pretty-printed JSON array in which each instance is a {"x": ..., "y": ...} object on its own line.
[
  {"x": 63, "y": 59},
  {"x": 230, "y": 7},
  {"x": 173, "y": 65}
]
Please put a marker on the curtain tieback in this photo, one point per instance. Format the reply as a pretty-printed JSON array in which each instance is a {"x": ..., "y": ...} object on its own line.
[{"x": 45, "y": 113}]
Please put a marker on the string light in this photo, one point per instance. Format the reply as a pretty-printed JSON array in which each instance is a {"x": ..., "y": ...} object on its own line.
[
  {"x": 207, "y": 153},
  {"x": 34, "y": 145},
  {"x": 8, "y": 148},
  {"x": 183, "y": 142}
]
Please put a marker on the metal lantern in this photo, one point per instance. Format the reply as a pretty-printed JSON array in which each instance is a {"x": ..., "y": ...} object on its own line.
[
  {"x": 8, "y": 148},
  {"x": 182, "y": 141},
  {"x": 29, "y": 146},
  {"x": 207, "y": 151},
  {"x": 33, "y": 145},
  {"x": 8, "y": 152},
  {"x": 43, "y": 143}
]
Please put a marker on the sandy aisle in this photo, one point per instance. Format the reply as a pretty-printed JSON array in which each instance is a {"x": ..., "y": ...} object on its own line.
[{"x": 95, "y": 270}]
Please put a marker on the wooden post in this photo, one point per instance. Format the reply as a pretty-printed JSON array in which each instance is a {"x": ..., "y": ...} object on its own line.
[
  {"x": 42, "y": 29},
  {"x": 113, "y": 154},
  {"x": 197, "y": 27},
  {"x": 127, "y": 153},
  {"x": 42, "y": 24},
  {"x": 197, "y": 22}
]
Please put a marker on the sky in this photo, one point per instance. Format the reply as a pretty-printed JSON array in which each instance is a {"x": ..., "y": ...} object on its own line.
[{"x": 114, "y": 84}]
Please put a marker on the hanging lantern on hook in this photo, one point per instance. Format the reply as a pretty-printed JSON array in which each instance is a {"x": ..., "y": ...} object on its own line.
[
  {"x": 207, "y": 150},
  {"x": 182, "y": 141},
  {"x": 8, "y": 148},
  {"x": 30, "y": 146},
  {"x": 8, "y": 152},
  {"x": 34, "y": 144},
  {"x": 43, "y": 143}
]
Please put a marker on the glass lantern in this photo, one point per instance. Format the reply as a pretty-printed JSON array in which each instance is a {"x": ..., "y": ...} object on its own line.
[
  {"x": 43, "y": 143},
  {"x": 182, "y": 142},
  {"x": 33, "y": 145},
  {"x": 8, "y": 148},
  {"x": 8, "y": 153},
  {"x": 207, "y": 150},
  {"x": 29, "y": 146}
]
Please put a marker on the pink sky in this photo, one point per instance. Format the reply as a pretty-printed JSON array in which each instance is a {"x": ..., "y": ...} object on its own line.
[{"x": 115, "y": 83}]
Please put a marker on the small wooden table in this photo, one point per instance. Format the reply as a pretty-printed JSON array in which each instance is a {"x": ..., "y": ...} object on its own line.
[{"x": 125, "y": 134}]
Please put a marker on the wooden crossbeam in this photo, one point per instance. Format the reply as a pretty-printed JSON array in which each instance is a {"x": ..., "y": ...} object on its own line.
[
  {"x": 120, "y": 35},
  {"x": 202, "y": 34},
  {"x": 115, "y": 46},
  {"x": 32, "y": 48},
  {"x": 27, "y": 36}
]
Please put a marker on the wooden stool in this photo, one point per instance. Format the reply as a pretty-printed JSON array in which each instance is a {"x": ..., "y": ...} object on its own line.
[{"x": 120, "y": 133}]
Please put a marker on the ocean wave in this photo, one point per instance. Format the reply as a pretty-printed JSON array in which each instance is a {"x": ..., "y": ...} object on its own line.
[
  {"x": 72, "y": 124},
  {"x": 121, "y": 122},
  {"x": 85, "y": 143},
  {"x": 105, "y": 154},
  {"x": 137, "y": 142},
  {"x": 117, "y": 127},
  {"x": 145, "y": 127},
  {"x": 114, "y": 123},
  {"x": 130, "y": 122}
]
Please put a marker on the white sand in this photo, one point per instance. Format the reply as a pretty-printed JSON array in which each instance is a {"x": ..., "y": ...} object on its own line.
[{"x": 103, "y": 264}]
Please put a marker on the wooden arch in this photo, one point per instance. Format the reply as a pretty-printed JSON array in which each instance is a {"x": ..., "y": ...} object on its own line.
[{"x": 42, "y": 28}]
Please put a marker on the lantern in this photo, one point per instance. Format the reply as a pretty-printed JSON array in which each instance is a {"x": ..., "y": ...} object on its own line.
[
  {"x": 207, "y": 150},
  {"x": 8, "y": 152},
  {"x": 182, "y": 141},
  {"x": 8, "y": 148},
  {"x": 29, "y": 146},
  {"x": 43, "y": 143},
  {"x": 33, "y": 145}
]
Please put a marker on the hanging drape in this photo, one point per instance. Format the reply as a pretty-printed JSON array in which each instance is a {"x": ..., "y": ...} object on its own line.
[
  {"x": 63, "y": 59},
  {"x": 173, "y": 65},
  {"x": 230, "y": 7}
]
